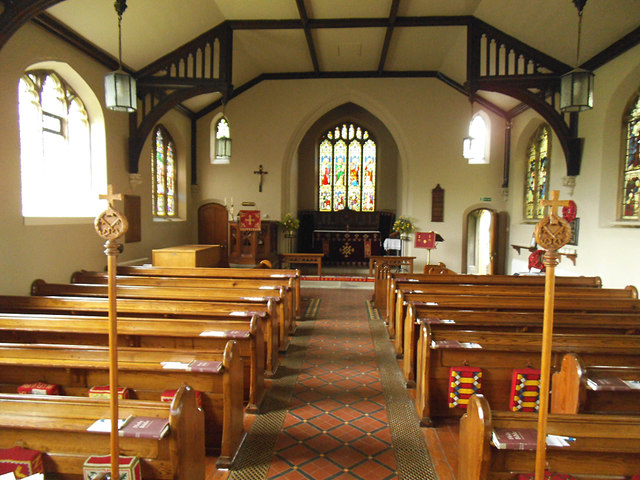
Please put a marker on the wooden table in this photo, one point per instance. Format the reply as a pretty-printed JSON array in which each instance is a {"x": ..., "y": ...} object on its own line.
[
  {"x": 289, "y": 258},
  {"x": 390, "y": 260},
  {"x": 187, "y": 256}
]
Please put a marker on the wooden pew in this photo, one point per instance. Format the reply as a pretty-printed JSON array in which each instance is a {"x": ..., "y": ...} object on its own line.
[
  {"x": 572, "y": 391},
  {"x": 265, "y": 285},
  {"x": 273, "y": 301},
  {"x": 394, "y": 280},
  {"x": 148, "y": 372},
  {"x": 152, "y": 308},
  {"x": 406, "y": 293},
  {"x": 205, "y": 272},
  {"x": 58, "y": 425},
  {"x": 499, "y": 353},
  {"x": 174, "y": 333},
  {"x": 491, "y": 304},
  {"x": 605, "y": 446}
]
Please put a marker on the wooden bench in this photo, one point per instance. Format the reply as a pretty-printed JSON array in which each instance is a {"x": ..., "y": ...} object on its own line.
[
  {"x": 407, "y": 295},
  {"x": 147, "y": 372},
  {"x": 58, "y": 425},
  {"x": 577, "y": 388},
  {"x": 490, "y": 304},
  {"x": 497, "y": 354},
  {"x": 605, "y": 446},
  {"x": 152, "y": 308},
  {"x": 235, "y": 273},
  {"x": 377, "y": 261},
  {"x": 273, "y": 300},
  {"x": 267, "y": 286},
  {"x": 287, "y": 259},
  {"x": 199, "y": 335},
  {"x": 392, "y": 282}
]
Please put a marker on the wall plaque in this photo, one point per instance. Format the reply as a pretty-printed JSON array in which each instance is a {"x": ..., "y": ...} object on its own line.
[{"x": 437, "y": 204}]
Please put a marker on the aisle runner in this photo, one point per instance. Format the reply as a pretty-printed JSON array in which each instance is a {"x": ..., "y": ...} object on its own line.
[{"x": 338, "y": 425}]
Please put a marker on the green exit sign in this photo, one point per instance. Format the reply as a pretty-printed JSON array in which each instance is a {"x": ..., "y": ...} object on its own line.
[{"x": 485, "y": 199}]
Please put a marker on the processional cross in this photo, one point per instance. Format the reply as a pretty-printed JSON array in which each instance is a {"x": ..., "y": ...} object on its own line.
[
  {"x": 260, "y": 172},
  {"x": 552, "y": 232},
  {"x": 111, "y": 225}
]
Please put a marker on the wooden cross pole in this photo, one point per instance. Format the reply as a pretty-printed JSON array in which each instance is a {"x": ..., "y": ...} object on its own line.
[
  {"x": 111, "y": 225},
  {"x": 552, "y": 233},
  {"x": 260, "y": 172}
]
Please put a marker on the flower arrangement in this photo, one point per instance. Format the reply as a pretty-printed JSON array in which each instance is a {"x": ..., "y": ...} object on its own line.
[
  {"x": 289, "y": 223},
  {"x": 403, "y": 225}
]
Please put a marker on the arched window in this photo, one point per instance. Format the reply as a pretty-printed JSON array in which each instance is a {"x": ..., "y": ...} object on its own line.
[
  {"x": 537, "y": 178},
  {"x": 220, "y": 141},
  {"x": 347, "y": 170},
  {"x": 630, "y": 188},
  {"x": 58, "y": 176},
  {"x": 479, "y": 132},
  {"x": 163, "y": 173}
]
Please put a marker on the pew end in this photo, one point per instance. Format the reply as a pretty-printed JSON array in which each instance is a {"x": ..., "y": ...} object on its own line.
[{"x": 474, "y": 450}]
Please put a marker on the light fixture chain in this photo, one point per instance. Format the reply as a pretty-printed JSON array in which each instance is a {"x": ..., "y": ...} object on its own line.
[{"x": 579, "y": 36}]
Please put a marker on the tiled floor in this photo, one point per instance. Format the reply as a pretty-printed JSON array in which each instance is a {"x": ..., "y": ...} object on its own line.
[{"x": 336, "y": 425}]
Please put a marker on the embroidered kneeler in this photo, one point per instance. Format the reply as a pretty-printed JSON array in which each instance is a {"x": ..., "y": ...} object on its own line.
[
  {"x": 463, "y": 382},
  {"x": 525, "y": 390}
]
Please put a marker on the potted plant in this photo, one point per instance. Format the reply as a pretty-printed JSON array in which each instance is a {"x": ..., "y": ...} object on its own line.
[
  {"x": 290, "y": 225},
  {"x": 404, "y": 227}
]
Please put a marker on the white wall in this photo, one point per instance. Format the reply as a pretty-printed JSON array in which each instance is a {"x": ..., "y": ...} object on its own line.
[
  {"x": 53, "y": 252},
  {"x": 605, "y": 248}
]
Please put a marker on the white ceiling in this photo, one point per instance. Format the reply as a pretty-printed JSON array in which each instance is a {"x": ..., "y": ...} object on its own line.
[{"x": 152, "y": 28}]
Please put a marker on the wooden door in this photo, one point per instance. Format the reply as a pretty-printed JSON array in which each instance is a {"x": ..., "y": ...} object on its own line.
[{"x": 212, "y": 225}]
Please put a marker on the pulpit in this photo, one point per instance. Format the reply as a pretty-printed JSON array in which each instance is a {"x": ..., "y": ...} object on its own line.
[{"x": 250, "y": 247}]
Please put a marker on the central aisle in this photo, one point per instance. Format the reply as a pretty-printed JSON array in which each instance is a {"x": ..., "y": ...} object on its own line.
[{"x": 338, "y": 408}]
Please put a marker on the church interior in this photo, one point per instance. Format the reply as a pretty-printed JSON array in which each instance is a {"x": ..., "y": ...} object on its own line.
[{"x": 330, "y": 137}]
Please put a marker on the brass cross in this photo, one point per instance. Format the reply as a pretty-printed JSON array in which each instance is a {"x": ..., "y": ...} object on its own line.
[
  {"x": 554, "y": 203},
  {"x": 260, "y": 172},
  {"x": 110, "y": 196}
]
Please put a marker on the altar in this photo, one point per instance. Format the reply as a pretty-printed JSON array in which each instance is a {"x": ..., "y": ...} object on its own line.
[{"x": 344, "y": 247}]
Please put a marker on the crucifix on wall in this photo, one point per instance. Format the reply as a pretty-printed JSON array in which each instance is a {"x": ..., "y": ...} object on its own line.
[{"x": 260, "y": 172}]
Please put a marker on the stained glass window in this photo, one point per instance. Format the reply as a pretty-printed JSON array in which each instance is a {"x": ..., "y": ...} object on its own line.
[
  {"x": 60, "y": 177},
  {"x": 537, "y": 178},
  {"x": 347, "y": 170},
  {"x": 163, "y": 174},
  {"x": 630, "y": 198}
]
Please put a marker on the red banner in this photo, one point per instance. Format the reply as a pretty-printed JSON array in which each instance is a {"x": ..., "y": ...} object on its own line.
[
  {"x": 249, "y": 220},
  {"x": 425, "y": 240}
]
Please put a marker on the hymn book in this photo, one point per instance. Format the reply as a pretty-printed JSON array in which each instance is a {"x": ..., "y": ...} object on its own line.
[
  {"x": 612, "y": 383},
  {"x": 145, "y": 427},
  {"x": 515, "y": 438}
]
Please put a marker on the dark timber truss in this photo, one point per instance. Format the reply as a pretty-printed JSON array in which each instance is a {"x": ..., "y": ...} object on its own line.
[{"x": 496, "y": 62}]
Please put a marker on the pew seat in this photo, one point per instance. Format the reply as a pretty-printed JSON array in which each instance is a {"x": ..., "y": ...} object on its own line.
[
  {"x": 57, "y": 426},
  {"x": 605, "y": 446}
]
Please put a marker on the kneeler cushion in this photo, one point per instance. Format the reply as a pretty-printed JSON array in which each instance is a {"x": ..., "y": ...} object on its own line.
[
  {"x": 525, "y": 390},
  {"x": 129, "y": 467},
  {"x": 547, "y": 476},
  {"x": 39, "y": 388},
  {"x": 21, "y": 461},
  {"x": 167, "y": 396},
  {"x": 463, "y": 382},
  {"x": 104, "y": 391}
]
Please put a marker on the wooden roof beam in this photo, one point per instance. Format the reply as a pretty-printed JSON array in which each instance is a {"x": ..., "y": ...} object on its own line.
[
  {"x": 393, "y": 15},
  {"x": 302, "y": 11}
]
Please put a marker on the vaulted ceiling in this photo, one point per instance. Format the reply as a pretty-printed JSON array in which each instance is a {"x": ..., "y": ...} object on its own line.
[{"x": 349, "y": 37}]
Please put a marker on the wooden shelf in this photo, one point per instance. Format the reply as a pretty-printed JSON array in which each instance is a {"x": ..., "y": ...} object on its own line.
[{"x": 570, "y": 256}]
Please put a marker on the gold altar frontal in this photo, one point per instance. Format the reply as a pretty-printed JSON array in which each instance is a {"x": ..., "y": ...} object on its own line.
[{"x": 188, "y": 256}]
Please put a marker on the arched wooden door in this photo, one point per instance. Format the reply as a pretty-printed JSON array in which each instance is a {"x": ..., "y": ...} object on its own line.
[
  {"x": 213, "y": 224},
  {"x": 481, "y": 242}
]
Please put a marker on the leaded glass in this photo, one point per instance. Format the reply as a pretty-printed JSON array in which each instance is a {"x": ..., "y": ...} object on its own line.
[
  {"x": 369, "y": 176},
  {"x": 631, "y": 179},
  {"x": 347, "y": 171},
  {"x": 537, "y": 177},
  {"x": 163, "y": 171},
  {"x": 326, "y": 176},
  {"x": 339, "y": 170}
]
